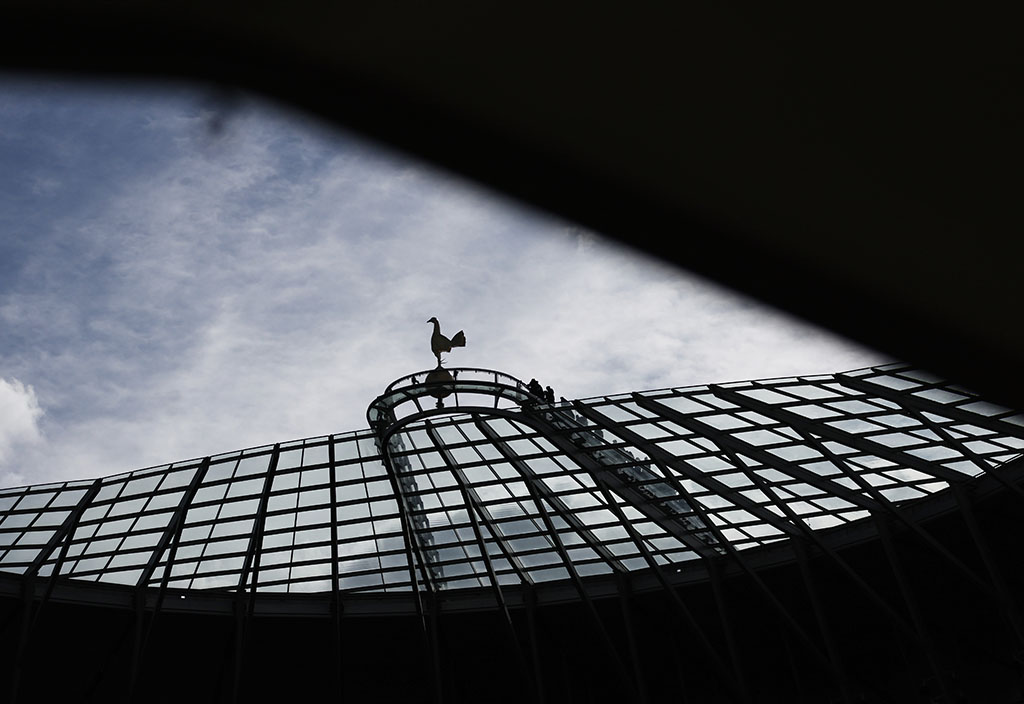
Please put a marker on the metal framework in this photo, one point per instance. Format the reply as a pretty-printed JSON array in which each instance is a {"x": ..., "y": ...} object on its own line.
[
  {"x": 473, "y": 495},
  {"x": 499, "y": 489}
]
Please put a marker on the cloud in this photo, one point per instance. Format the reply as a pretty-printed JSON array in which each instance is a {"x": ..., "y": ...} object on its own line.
[
  {"x": 19, "y": 418},
  {"x": 197, "y": 294},
  {"x": 596, "y": 318}
]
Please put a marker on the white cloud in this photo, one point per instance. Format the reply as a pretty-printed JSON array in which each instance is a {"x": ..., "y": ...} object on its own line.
[
  {"x": 267, "y": 286},
  {"x": 19, "y": 419}
]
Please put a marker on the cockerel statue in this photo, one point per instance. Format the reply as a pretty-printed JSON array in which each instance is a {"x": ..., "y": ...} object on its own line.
[{"x": 439, "y": 343}]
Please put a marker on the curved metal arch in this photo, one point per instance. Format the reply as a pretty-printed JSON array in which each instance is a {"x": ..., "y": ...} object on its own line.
[
  {"x": 534, "y": 423},
  {"x": 538, "y": 496},
  {"x": 409, "y": 389},
  {"x": 527, "y": 419},
  {"x": 412, "y": 535}
]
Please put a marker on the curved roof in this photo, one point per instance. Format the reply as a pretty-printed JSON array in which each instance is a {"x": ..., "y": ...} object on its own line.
[{"x": 490, "y": 487}]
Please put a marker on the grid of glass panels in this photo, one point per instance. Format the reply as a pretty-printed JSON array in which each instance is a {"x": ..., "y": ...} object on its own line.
[
  {"x": 32, "y": 518},
  {"x": 118, "y": 532},
  {"x": 550, "y": 492}
]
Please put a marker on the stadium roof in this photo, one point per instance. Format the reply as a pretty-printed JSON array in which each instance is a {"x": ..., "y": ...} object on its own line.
[{"x": 491, "y": 488}]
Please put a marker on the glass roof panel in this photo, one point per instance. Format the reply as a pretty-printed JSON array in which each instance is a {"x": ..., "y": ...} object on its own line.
[{"x": 530, "y": 494}]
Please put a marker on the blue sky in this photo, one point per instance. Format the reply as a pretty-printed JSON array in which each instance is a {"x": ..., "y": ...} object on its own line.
[{"x": 183, "y": 274}]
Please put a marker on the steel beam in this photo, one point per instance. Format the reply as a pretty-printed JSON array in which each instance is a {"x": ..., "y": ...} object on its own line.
[
  {"x": 906, "y": 400},
  {"x": 1006, "y": 595},
  {"x": 555, "y": 501},
  {"x": 863, "y": 443},
  {"x": 30, "y": 612},
  {"x": 427, "y": 612},
  {"x": 888, "y": 545},
  {"x": 412, "y": 536},
  {"x": 575, "y": 577},
  {"x": 810, "y": 535},
  {"x": 336, "y": 603},
  {"x": 738, "y": 558},
  {"x": 842, "y": 677},
  {"x": 663, "y": 457},
  {"x": 471, "y": 502},
  {"x": 671, "y": 592},
  {"x": 251, "y": 566},
  {"x": 728, "y": 630},
  {"x": 966, "y": 451},
  {"x": 530, "y": 603},
  {"x": 626, "y": 609},
  {"x": 874, "y": 502},
  {"x": 65, "y": 530},
  {"x": 170, "y": 537},
  {"x": 599, "y": 472},
  {"x": 172, "y": 530},
  {"x": 892, "y": 511},
  {"x": 720, "y": 438}
]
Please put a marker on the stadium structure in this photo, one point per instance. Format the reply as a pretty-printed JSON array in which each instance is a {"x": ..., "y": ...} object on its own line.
[{"x": 834, "y": 538}]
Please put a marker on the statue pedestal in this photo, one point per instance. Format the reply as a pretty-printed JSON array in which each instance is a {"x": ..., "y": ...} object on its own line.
[{"x": 440, "y": 376}]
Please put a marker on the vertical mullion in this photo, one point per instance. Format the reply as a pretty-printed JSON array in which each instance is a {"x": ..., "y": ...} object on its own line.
[
  {"x": 908, "y": 597},
  {"x": 174, "y": 526},
  {"x": 411, "y": 539},
  {"x": 412, "y": 536},
  {"x": 251, "y": 566},
  {"x": 499, "y": 540},
  {"x": 169, "y": 540},
  {"x": 680, "y": 607},
  {"x": 492, "y": 525},
  {"x": 530, "y": 602},
  {"x": 335, "y": 577},
  {"x": 1006, "y": 595},
  {"x": 556, "y": 541},
  {"x": 556, "y": 503},
  {"x": 471, "y": 508},
  {"x": 598, "y": 473},
  {"x": 626, "y": 608},
  {"x": 30, "y": 615},
  {"x": 726, "y": 619},
  {"x": 413, "y": 555},
  {"x": 66, "y": 529},
  {"x": 819, "y": 615}
]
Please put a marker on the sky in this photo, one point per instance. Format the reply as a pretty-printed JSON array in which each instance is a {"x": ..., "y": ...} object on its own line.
[{"x": 185, "y": 272}]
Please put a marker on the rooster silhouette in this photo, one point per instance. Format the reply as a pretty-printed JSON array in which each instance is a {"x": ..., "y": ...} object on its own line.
[{"x": 439, "y": 343}]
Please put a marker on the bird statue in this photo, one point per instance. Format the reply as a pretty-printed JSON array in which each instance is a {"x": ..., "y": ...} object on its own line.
[{"x": 439, "y": 343}]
